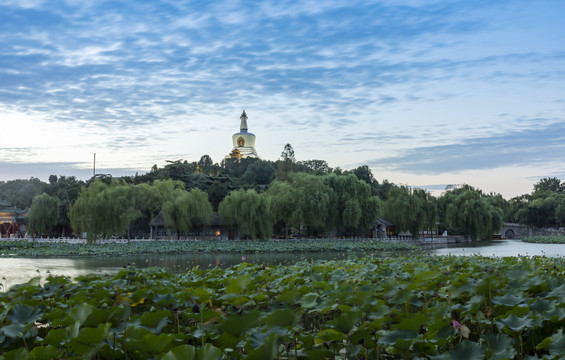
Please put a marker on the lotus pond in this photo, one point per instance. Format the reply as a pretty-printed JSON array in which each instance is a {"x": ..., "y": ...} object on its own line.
[
  {"x": 29, "y": 248},
  {"x": 545, "y": 239},
  {"x": 426, "y": 307}
]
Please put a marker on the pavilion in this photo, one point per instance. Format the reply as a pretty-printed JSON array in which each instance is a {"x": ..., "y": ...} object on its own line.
[{"x": 12, "y": 220}]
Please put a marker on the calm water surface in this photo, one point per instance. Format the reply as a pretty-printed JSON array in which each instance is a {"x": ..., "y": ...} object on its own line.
[
  {"x": 501, "y": 248},
  {"x": 19, "y": 270}
]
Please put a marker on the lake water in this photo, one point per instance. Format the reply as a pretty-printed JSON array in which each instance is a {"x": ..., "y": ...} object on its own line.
[
  {"x": 502, "y": 248},
  {"x": 19, "y": 270}
]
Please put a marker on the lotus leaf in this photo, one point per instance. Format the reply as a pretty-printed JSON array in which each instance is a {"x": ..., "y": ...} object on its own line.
[
  {"x": 89, "y": 340},
  {"x": 208, "y": 352},
  {"x": 508, "y": 300},
  {"x": 355, "y": 309},
  {"x": 467, "y": 350},
  {"x": 309, "y": 300},
  {"x": 24, "y": 314},
  {"x": 499, "y": 346},
  {"x": 514, "y": 323},
  {"x": 181, "y": 352},
  {"x": 238, "y": 324},
  {"x": 48, "y": 352}
]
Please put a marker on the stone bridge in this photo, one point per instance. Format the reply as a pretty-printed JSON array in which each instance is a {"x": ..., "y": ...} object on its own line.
[
  {"x": 519, "y": 231},
  {"x": 514, "y": 231}
]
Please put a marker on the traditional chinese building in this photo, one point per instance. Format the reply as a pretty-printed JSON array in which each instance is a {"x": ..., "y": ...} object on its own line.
[
  {"x": 243, "y": 141},
  {"x": 12, "y": 220}
]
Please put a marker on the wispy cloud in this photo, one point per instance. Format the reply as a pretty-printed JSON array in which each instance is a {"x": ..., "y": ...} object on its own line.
[
  {"x": 362, "y": 75},
  {"x": 520, "y": 147}
]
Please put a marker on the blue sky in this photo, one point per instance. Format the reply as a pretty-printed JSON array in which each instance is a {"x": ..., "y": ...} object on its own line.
[{"x": 427, "y": 93}]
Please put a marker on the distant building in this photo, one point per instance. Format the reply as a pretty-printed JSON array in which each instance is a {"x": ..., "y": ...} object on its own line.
[
  {"x": 12, "y": 220},
  {"x": 243, "y": 142}
]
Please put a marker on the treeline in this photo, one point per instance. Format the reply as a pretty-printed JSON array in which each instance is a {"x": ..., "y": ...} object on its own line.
[
  {"x": 544, "y": 207},
  {"x": 259, "y": 198}
]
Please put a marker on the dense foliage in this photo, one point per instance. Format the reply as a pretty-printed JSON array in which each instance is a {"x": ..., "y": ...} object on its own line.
[
  {"x": 43, "y": 214},
  {"x": 412, "y": 210},
  {"x": 424, "y": 307},
  {"x": 304, "y": 198},
  {"x": 104, "y": 209},
  {"x": 472, "y": 213},
  {"x": 60, "y": 249},
  {"x": 544, "y": 207},
  {"x": 64, "y": 188},
  {"x": 248, "y": 212},
  {"x": 187, "y": 210}
]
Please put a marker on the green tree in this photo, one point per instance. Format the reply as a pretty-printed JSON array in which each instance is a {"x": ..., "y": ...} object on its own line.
[
  {"x": 88, "y": 212},
  {"x": 217, "y": 192},
  {"x": 43, "y": 214},
  {"x": 102, "y": 210},
  {"x": 549, "y": 184},
  {"x": 473, "y": 213},
  {"x": 560, "y": 210},
  {"x": 236, "y": 167},
  {"x": 431, "y": 212},
  {"x": 349, "y": 194},
  {"x": 517, "y": 209},
  {"x": 148, "y": 201},
  {"x": 316, "y": 167},
  {"x": 205, "y": 164},
  {"x": 364, "y": 173},
  {"x": 121, "y": 201},
  {"x": 382, "y": 189},
  {"x": 21, "y": 192},
  {"x": 248, "y": 212},
  {"x": 313, "y": 207},
  {"x": 66, "y": 189},
  {"x": 542, "y": 209},
  {"x": 371, "y": 209},
  {"x": 286, "y": 164},
  {"x": 408, "y": 209},
  {"x": 177, "y": 170},
  {"x": 259, "y": 172},
  {"x": 283, "y": 203},
  {"x": 186, "y": 211}
]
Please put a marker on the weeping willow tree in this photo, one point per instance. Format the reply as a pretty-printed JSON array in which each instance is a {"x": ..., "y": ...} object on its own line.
[
  {"x": 371, "y": 209},
  {"x": 43, "y": 214},
  {"x": 474, "y": 214},
  {"x": 353, "y": 207},
  {"x": 102, "y": 210},
  {"x": 248, "y": 212},
  {"x": 314, "y": 209},
  {"x": 409, "y": 209},
  {"x": 88, "y": 212},
  {"x": 186, "y": 211},
  {"x": 283, "y": 203}
]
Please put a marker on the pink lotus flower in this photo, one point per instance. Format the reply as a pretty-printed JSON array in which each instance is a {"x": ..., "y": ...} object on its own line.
[
  {"x": 243, "y": 258},
  {"x": 456, "y": 324}
]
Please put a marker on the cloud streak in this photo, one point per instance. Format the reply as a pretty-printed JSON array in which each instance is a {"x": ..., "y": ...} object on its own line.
[
  {"x": 520, "y": 147},
  {"x": 381, "y": 80}
]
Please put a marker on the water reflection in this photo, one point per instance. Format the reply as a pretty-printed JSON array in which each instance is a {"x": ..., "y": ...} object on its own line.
[
  {"x": 20, "y": 270},
  {"x": 503, "y": 248}
]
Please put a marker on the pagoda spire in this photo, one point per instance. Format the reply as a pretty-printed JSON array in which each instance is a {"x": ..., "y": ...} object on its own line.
[{"x": 243, "y": 117}]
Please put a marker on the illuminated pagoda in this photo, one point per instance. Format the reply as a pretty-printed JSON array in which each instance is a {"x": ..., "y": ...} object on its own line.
[
  {"x": 243, "y": 142},
  {"x": 12, "y": 220}
]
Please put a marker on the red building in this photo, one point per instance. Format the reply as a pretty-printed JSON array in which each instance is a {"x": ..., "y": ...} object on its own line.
[{"x": 12, "y": 220}]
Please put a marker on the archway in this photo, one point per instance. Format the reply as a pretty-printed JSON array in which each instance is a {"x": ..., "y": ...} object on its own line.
[{"x": 509, "y": 234}]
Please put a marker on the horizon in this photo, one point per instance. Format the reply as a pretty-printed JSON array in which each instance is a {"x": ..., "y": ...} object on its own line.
[{"x": 426, "y": 93}]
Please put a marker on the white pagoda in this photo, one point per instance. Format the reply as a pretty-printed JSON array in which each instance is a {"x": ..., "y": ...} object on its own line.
[{"x": 243, "y": 141}]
